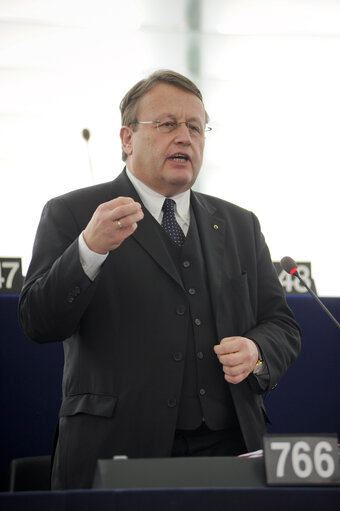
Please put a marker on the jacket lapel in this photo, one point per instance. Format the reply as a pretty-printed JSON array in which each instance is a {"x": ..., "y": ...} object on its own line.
[
  {"x": 148, "y": 233},
  {"x": 211, "y": 228}
]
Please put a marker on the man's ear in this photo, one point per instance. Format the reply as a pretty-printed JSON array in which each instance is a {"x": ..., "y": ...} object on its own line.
[{"x": 126, "y": 138}]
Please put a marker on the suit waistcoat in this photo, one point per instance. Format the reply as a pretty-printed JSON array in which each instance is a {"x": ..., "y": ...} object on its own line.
[{"x": 205, "y": 395}]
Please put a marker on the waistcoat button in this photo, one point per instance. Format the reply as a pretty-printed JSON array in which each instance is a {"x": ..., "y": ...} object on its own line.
[{"x": 180, "y": 310}]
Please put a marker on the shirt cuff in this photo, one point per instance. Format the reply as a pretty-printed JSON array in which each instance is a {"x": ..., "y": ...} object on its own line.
[{"x": 91, "y": 261}]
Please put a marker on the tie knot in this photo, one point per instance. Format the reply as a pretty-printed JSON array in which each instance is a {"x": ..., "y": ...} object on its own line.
[{"x": 168, "y": 205}]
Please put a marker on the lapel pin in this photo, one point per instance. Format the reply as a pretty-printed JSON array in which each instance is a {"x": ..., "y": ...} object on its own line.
[{"x": 215, "y": 227}]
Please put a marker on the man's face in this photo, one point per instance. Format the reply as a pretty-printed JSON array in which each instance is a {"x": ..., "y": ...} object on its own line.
[{"x": 151, "y": 154}]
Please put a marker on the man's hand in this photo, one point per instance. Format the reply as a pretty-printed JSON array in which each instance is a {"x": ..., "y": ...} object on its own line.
[
  {"x": 112, "y": 223},
  {"x": 238, "y": 356}
]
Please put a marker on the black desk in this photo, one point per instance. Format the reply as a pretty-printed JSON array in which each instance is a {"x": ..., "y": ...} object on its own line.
[
  {"x": 203, "y": 499},
  {"x": 305, "y": 401}
]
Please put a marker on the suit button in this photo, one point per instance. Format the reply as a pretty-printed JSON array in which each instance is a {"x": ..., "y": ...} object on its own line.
[
  {"x": 73, "y": 294},
  {"x": 192, "y": 291},
  {"x": 202, "y": 392},
  {"x": 172, "y": 402},
  {"x": 186, "y": 264},
  {"x": 198, "y": 321},
  {"x": 177, "y": 356},
  {"x": 180, "y": 310},
  {"x": 200, "y": 355}
]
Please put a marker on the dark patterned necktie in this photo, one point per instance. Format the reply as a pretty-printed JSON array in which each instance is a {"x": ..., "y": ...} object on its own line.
[{"x": 169, "y": 222}]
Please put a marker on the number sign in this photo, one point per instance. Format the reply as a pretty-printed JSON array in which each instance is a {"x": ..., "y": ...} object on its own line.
[
  {"x": 301, "y": 460},
  {"x": 291, "y": 284},
  {"x": 11, "y": 278}
]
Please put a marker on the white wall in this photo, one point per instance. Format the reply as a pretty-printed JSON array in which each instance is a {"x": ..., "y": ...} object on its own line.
[{"x": 270, "y": 76}]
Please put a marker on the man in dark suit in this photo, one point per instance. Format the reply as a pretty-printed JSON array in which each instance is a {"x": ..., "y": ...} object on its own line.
[{"x": 173, "y": 320}]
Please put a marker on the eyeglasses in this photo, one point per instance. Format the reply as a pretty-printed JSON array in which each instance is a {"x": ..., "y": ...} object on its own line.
[{"x": 195, "y": 129}]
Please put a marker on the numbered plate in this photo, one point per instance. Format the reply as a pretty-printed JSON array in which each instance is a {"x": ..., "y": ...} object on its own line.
[
  {"x": 301, "y": 460},
  {"x": 11, "y": 278},
  {"x": 291, "y": 284}
]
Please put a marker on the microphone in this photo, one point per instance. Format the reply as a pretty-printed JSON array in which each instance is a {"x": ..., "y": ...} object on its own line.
[
  {"x": 289, "y": 265},
  {"x": 86, "y": 136}
]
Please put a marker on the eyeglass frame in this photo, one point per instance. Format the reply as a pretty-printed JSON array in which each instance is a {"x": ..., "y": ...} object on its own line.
[{"x": 206, "y": 128}]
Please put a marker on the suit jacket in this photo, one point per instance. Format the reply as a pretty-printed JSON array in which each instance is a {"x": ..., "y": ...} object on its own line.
[{"x": 120, "y": 381}]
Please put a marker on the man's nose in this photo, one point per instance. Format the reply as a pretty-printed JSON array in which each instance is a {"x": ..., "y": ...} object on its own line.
[{"x": 183, "y": 133}]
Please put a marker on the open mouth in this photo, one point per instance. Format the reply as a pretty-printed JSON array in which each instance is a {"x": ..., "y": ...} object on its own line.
[{"x": 180, "y": 157}]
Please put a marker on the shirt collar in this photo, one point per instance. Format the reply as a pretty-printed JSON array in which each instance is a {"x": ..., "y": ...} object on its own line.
[{"x": 153, "y": 201}]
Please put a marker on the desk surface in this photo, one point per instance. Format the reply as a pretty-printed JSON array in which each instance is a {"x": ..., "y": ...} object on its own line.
[{"x": 203, "y": 499}]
